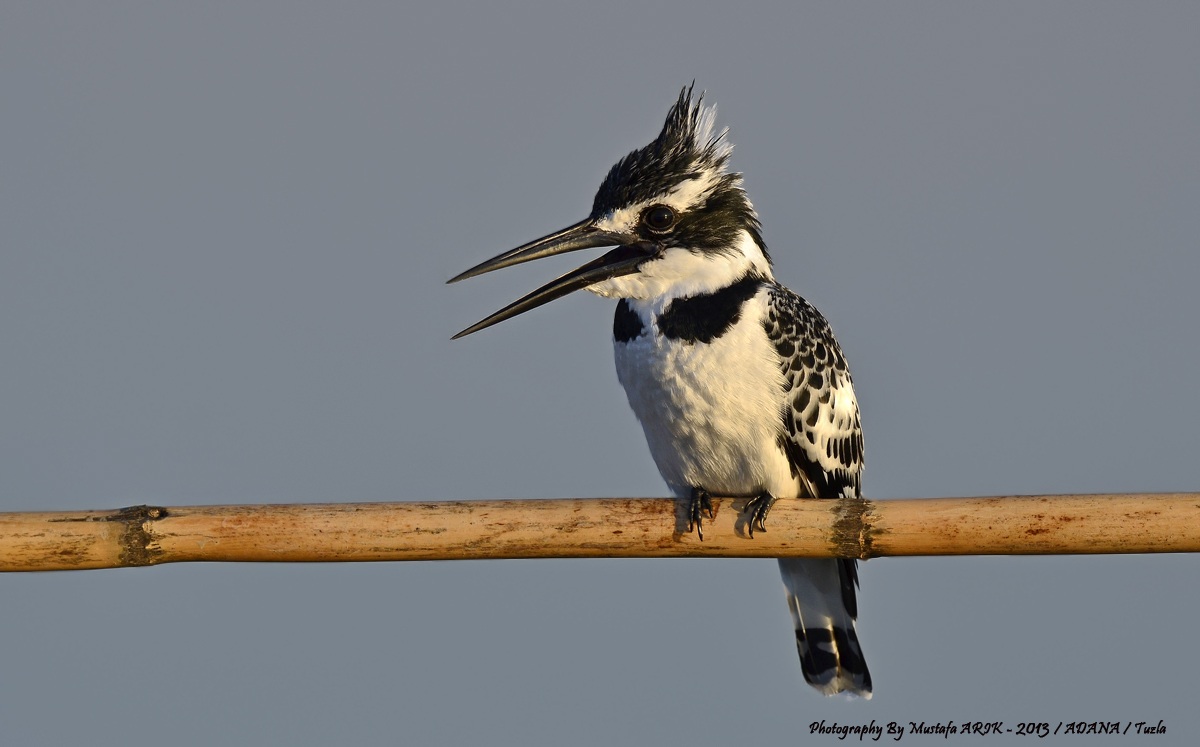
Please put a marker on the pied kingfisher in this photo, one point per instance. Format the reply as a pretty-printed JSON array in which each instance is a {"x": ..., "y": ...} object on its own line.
[{"x": 738, "y": 382}]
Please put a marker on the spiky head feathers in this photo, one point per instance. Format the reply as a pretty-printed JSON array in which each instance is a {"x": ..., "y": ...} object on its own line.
[
  {"x": 686, "y": 149},
  {"x": 685, "y": 170}
]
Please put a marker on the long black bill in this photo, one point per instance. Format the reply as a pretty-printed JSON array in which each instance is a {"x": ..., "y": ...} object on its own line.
[
  {"x": 624, "y": 260},
  {"x": 582, "y": 235}
]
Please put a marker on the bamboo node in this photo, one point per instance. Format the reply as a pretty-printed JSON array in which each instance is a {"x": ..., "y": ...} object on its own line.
[
  {"x": 852, "y": 531},
  {"x": 138, "y": 545}
]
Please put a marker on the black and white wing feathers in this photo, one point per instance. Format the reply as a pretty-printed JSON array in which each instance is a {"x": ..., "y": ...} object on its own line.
[
  {"x": 823, "y": 432},
  {"x": 822, "y": 437}
]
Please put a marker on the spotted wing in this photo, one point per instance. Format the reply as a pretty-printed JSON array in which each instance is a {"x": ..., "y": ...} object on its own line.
[{"x": 821, "y": 435}]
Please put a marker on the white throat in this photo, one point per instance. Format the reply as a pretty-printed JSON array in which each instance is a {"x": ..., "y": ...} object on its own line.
[{"x": 680, "y": 273}]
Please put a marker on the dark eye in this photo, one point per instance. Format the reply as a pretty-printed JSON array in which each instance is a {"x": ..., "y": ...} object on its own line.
[{"x": 659, "y": 218}]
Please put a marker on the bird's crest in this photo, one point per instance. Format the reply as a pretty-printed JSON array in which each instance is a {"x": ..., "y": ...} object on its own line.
[{"x": 689, "y": 147}]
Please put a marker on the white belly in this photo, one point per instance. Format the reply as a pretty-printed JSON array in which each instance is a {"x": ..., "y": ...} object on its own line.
[{"x": 711, "y": 411}]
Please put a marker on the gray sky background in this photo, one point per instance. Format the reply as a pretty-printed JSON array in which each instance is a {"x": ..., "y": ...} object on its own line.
[{"x": 224, "y": 233}]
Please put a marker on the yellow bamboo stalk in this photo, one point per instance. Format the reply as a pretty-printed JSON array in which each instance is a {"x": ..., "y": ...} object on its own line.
[{"x": 593, "y": 528}]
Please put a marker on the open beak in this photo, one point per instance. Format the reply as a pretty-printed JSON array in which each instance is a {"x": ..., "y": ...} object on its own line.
[{"x": 624, "y": 260}]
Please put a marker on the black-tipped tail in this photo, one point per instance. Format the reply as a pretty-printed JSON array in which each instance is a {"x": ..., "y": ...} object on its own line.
[
  {"x": 821, "y": 597},
  {"x": 832, "y": 661}
]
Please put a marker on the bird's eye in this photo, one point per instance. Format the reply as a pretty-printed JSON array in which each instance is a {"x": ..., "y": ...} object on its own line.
[{"x": 659, "y": 218}]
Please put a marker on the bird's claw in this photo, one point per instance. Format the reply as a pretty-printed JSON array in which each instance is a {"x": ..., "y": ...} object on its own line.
[
  {"x": 758, "y": 508},
  {"x": 700, "y": 504}
]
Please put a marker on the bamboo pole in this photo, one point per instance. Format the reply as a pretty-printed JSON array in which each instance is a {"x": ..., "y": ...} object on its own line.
[{"x": 592, "y": 528}]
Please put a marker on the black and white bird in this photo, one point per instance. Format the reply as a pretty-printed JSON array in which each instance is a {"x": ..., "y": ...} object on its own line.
[{"x": 738, "y": 382}]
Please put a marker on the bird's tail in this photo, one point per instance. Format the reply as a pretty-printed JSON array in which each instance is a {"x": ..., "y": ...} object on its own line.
[{"x": 820, "y": 595}]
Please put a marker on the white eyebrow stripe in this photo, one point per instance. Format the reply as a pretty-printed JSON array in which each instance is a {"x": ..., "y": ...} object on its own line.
[
  {"x": 681, "y": 198},
  {"x": 691, "y": 193}
]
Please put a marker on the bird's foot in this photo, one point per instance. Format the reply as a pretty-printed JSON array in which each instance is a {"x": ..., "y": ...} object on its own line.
[
  {"x": 700, "y": 504},
  {"x": 758, "y": 508}
]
